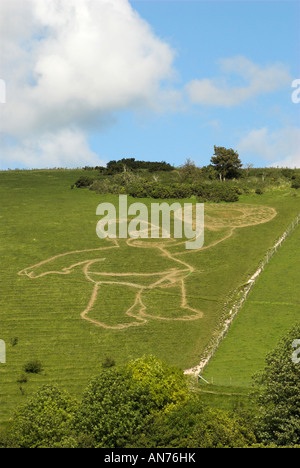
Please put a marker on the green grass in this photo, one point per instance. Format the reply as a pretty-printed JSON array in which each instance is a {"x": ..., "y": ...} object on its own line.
[
  {"x": 226, "y": 398},
  {"x": 272, "y": 308},
  {"x": 42, "y": 217}
]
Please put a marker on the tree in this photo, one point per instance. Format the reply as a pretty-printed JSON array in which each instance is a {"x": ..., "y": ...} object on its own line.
[
  {"x": 247, "y": 168},
  {"x": 44, "y": 421},
  {"x": 279, "y": 393},
  {"x": 111, "y": 408},
  {"x": 191, "y": 424},
  {"x": 226, "y": 162},
  {"x": 188, "y": 171},
  {"x": 117, "y": 401},
  {"x": 167, "y": 385}
]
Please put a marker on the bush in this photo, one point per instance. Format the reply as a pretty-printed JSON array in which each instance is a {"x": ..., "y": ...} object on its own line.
[
  {"x": 33, "y": 367},
  {"x": 259, "y": 191},
  {"x": 108, "y": 362},
  {"x": 22, "y": 379},
  {"x": 206, "y": 192},
  {"x": 288, "y": 173},
  {"x": 114, "y": 167},
  {"x": 296, "y": 182},
  {"x": 216, "y": 192},
  {"x": 102, "y": 186},
  {"x": 14, "y": 341},
  {"x": 84, "y": 181}
]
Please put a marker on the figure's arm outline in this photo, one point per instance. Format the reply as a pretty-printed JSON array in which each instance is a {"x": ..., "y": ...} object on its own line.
[{"x": 65, "y": 270}]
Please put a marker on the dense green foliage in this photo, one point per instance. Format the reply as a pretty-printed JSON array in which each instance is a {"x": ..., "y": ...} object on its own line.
[
  {"x": 212, "y": 192},
  {"x": 162, "y": 181},
  {"x": 279, "y": 393},
  {"x": 116, "y": 402},
  {"x": 148, "y": 404},
  {"x": 114, "y": 167},
  {"x": 296, "y": 182},
  {"x": 112, "y": 408},
  {"x": 193, "y": 425},
  {"x": 33, "y": 367},
  {"x": 44, "y": 421},
  {"x": 142, "y": 404}
]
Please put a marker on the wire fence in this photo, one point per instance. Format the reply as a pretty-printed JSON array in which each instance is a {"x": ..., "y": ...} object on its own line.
[{"x": 236, "y": 301}]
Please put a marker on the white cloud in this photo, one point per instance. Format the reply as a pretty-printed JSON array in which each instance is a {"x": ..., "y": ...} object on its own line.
[
  {"x": 255, "y": 80},
  {"x": 65, "y": 148},
  {"x": 73, "y": 63},
  {"x": 280, "y": 148}
]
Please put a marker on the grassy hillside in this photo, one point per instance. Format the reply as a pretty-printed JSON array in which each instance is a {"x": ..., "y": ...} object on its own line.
[
  {"x": 271, "y": 309},
  {"x": 46, "y": 316}
]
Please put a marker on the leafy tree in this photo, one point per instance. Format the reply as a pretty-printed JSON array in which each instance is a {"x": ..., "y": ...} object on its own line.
[
  {"x": 189, "y": 171},
  {"x": 116, "y": 402},
  {"x": 226, "y": 162},
  {"x": 110, "y": 409},
  {"x": 192, "y": 425},
  {"x": 166, "y": 385},
  {"x": 209, "y": 172},
  {"x": 279, "y": 394},
  {"x": 45, "y": 421}
]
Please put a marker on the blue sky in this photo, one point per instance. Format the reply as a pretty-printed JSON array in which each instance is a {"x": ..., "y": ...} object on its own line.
[{"x": 185, "y": 76}]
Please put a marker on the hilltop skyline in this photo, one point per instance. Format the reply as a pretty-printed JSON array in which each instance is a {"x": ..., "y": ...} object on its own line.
[{"x": 92, "y": 81}]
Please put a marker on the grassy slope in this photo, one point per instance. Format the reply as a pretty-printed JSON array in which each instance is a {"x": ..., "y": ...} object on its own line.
[
  {"x": 270, "y": 311},
  {"x": 41, "y": 217}
]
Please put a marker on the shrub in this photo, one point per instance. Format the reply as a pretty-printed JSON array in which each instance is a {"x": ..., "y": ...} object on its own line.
[
  {"x": 288, "y": 173},
  {"x": 101, "y": 186},
  {"x": 216, "y": 192},
  {"x": 84, "y": 181},
  {"x": 259, "y": 191},
  {"x": 22, "y": 379},
  {"x": 108, "y": 362},
  {"x": 33, "y": 367},
  {"x": 296, "y": 182},
  {"x": 14, "y": 341}
]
